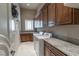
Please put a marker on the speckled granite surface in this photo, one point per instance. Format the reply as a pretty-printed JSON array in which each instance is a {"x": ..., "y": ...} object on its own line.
[{"x": 66, "y": 47}]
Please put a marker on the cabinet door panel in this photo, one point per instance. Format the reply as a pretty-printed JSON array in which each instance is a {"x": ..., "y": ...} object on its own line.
[
  {"x": 44, "y": 12},
  {"x": 71, "y": 14},
  {"x": 51, "y": 13},
  {"x": 51, "y": 54},
  {"x": 67, "y": 18},
  {"x": 59, "y": 12},
  {"x": 76, "y": 16},
  {"x": 63, "y": 14},
  {"x": 47, "y": 52}
]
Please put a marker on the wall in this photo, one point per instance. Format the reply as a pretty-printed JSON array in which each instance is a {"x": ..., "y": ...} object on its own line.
[
  {"x": 4, "y": 19},
  {"x": 38, "y": 9},
  {"x": 25, "y": 15}
]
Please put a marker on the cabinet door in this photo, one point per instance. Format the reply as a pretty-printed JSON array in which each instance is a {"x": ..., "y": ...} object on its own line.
[
  {"x": 76, "y": 16},
  {"x": 47, "y": 51},
  {"x": 44, "y": 12},
  {"x": 59, "y": 13},
  {"x": 41, "y": 19},
  {"x": 71, "y": 14},
  {"x": 51, "y": 14},
  {"x": 63, "y": 14},
  {"x": 67, "y": 18},
  {"x": 38, "y": 22},
  {"x": 52, "y": 54}
]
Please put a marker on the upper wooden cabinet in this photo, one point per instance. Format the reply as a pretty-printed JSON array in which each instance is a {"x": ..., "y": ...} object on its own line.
[
  {"x": 45, "y": 14},
  {"x": 76, "y": 16},
  {"x": 58, "y": 14},
  {"x": 63, "y": 14},
  {"x": 51, "y": 13},
  {"x": 67, "y": 15}
]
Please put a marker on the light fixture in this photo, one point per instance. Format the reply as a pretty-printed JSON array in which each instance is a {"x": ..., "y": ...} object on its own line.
[{"x": 28, "y": 4}]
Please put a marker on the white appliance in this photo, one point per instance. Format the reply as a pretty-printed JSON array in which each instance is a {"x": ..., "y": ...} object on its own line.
[{"x": 39, "y": 43}]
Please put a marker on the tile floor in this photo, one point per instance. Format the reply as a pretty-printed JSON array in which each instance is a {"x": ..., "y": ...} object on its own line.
[{"x": 26, "y": 49}]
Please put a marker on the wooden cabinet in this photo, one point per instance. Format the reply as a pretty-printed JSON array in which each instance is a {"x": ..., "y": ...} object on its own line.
[
  {"x": 75, "y": 16},
  {"x": 40, "y": 16},
  {"x": 67, "y": 15},
  {"x": 26, "y": 37},
  {"x": 50, "y": 50},
  {"x": 51, "y": 13},
  {"x": 38, "y": 21},
  {"x": 45, "y": 15},
  {"x": 63, "y": 14},
  {"x": 70, "y": 14},
  {"x": 59, "y": 12}
]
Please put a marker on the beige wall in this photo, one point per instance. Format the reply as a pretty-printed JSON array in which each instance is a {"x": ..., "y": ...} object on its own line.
[
  {"x": 4, "y": 19},
  {"x": 26, "y": 14}
]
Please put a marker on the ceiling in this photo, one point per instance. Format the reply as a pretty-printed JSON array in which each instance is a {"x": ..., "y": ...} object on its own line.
[
  {"x": 74, "y": 5},
  {"x": 32, "y": 6}
]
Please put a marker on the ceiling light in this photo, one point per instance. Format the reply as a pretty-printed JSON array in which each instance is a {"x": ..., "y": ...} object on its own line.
[{"x": 28, "y": 4}]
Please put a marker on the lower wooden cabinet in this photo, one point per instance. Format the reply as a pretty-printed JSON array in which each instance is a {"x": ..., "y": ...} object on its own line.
[
  {"x": 26, "y": 37},
  {"x": 49, "y": 50}
]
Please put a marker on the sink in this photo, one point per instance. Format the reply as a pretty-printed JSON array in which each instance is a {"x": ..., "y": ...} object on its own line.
[{"x": 43, "y": 36}]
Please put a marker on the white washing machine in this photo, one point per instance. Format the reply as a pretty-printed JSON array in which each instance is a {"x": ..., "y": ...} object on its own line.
[{"x": 39, "y": 44}]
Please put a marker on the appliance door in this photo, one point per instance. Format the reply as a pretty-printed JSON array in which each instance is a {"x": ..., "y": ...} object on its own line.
[
  {"x": 36, "y": 45},
  {"x": 39, "y": 46}
]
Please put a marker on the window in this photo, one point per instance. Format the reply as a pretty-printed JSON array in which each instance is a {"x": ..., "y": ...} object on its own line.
[
  {"x": 38, "y": 23},
  {"x": 29, "y": 25}
]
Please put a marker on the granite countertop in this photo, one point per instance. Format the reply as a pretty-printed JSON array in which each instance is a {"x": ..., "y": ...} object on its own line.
[
  {"x": 66, "y": 47},
  {"x": 39, "y": 36}
]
